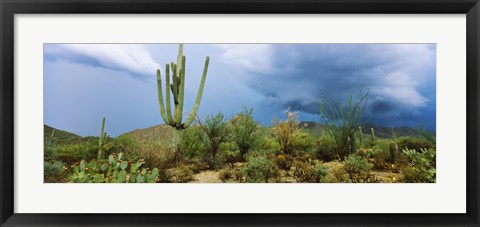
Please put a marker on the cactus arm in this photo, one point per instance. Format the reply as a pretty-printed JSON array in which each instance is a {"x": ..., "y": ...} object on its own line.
[
  {"x": 199, "y": 94},
  {"x": 160, "y": 97},
  {"x": 179, "y": 77},
  {"x": 181, "y": 88},
  {"x": 175, "y": 83},
  {"x": 101, "y": 140},
  {"x": 102, "y": 133},
  {"x": 167, "y": 94}
]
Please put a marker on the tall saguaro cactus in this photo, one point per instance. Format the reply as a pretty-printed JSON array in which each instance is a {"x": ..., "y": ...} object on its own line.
[
  {"x": 102, "y": 140},
  {"x": 177, "y": 88}
]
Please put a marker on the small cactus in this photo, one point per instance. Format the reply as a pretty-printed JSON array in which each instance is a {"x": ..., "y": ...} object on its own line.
[
  {"x": 372, "y": 143},
  {"x": 352, "y": 142},
  {"x": 102, "y": 140},
  {"x": 393, "y": 148}
]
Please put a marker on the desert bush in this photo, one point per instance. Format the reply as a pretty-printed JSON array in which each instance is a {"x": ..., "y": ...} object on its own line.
[
  {"x": 285, "y": 132},
  {"x": 357, "y": 168},
  {"x": 191, "y": 143},
  {"x": 336, "y": 173},
  {"x": 180, "y": 174},
  {"x": 412, "y": 143},
  {"x": 225, "y": 175},
  {"x": 245, "y": 131},
  {"x": 69, "y": 153},
  {"x": 216, "y": 132},
  {"x": 229, "y": 153},
  {"x": 54, "y": 172},
  {"x": 342, "y": 119},
  {"x": 267, "y": 142},
  {"x": 160, "y": 156},
  {"x": 112, "y": 170},
  {"x": 380, "y": 159},
  {"x": 304, "y": 142},
  {"x": 129, "y": 146},
  {"x": 326, "y": 148},
  {"x": 307, "y": 173},
  {"x": 259, "y": 169},
  {"x": 423, "y": 168},
  {"x": 230, "y": 175}
]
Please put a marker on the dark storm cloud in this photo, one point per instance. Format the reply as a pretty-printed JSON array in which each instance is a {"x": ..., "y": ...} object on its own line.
[{"x": 400, "y": 77}]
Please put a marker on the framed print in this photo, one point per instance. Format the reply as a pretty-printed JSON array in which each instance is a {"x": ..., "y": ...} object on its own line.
[{"x": 239, "y": 113}]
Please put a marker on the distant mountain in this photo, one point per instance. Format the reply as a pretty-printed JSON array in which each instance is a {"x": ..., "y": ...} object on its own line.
[
  {"x": 60, "y": 136},
  {"x": 163, "y": 132},
  {"x": 151, "y": 134},
  {"x": 382, "y": 132}
]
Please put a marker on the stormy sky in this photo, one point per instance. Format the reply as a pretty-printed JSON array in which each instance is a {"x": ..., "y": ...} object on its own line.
[{"x": 84, "y": 82}]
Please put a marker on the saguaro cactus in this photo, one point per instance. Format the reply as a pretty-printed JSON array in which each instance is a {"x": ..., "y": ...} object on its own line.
[
  {"x": 393, "y": 147},
  {"x": 102, "y": 140},
  {"x": 177, "y": 87},
  {"x": 353, "y": 148},
  {"x": 372, "y": 143}
]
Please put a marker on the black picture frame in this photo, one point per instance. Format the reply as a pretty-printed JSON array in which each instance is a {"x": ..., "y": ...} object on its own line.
[{"x": 9, "y": 8}]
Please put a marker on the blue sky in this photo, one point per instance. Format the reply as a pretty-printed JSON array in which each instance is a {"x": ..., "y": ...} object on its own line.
[{"x": 84, "y": 82}]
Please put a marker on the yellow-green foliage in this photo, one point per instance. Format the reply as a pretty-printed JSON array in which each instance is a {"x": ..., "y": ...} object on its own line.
[
  {"x": 357, "y": 168},
  {"x": 69, "y": 153},
  {"x": 191, "y": 144},
  {"x": 304, "y": 142},
  {"x": 54, "y": 171},
  {"x": 245, "y": 131},
  {"x": 113, "y": 170},
  {"x": 286, "y": 132},
  {"x": 259, "y": 169},
  {"x": 326, "y": 148},
  {"x": 305, "y": 172},
  {"x": 413, "y": 143}
]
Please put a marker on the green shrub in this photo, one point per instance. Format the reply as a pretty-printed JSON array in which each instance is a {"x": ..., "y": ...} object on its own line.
[
  {"x": 259, "y": 169},
  {"x": 216, "y": 132},
  {"x": 326, "y": 148},
  {"x": 423, "y": 168},
  {"x": 191, "y": 145},
  {"x": 69, "y": 153},
  {"x": 181, "y": 174},
  {"x": 112, "y": 170},
  {"x": 129, "y": 146},
  {"x": 286, "y": 132},
  {"x": 307, "y": 173},
  {"x": 245, "y": 131},
  {"x": 413, "y": 143},
  {"x": 54, "y": 172},
  {"x": 304, "y": 142},
  {"x": 357, "y": 168}
]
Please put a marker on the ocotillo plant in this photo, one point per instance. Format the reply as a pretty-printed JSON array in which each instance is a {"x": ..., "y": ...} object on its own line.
[
  {"x": 372, "y": 143},
  {"x": 102, "y": 140},
  {"x": 177, "y": 87},
  {"x": 360, "y": 136},
  {"x": 393, "y": 147}
]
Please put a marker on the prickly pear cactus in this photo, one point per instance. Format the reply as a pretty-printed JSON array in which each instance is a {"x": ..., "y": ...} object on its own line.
[{"x": 112, "y": 170}]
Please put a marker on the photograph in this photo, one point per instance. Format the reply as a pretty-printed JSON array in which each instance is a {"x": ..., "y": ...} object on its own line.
[{"x": 239, "y": 112}]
